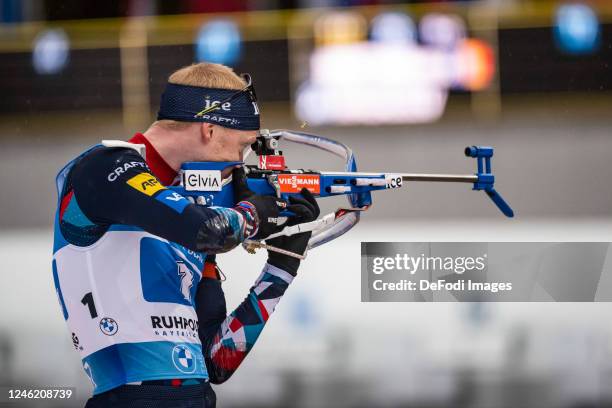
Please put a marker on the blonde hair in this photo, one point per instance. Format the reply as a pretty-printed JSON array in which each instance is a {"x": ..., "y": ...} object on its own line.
[{"x": 206, "y": 75}]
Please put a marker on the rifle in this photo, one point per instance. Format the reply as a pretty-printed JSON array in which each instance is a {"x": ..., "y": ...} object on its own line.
[{"x": 202, "y": 182}]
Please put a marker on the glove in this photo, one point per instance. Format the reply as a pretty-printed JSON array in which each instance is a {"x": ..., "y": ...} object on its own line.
[
  {"x": 306, "y": 210},
  {"x": 260, "y": 211}
]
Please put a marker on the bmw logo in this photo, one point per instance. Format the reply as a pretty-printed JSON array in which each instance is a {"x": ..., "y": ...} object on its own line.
[
  {"x": 108, "y": 326},
  {"x": 183, "y": 359}
]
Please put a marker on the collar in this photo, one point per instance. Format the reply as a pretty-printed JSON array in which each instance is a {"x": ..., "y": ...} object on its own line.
[{"x": 156, "y": 163}]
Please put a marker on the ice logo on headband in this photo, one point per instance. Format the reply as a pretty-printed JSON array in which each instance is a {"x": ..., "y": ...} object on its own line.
[{"x": 226, "y": 106}]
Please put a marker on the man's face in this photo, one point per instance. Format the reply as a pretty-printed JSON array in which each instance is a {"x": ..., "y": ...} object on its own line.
[{"x": 229, "y": 144}]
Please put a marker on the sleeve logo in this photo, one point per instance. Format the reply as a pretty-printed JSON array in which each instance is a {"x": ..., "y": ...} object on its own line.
[{"x": 145, "y": 183}]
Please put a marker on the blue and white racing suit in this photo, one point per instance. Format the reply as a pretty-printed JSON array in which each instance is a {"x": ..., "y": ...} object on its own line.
[{"x": 128, "y": 260}]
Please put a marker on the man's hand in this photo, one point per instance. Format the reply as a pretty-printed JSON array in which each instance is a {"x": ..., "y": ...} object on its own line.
[
  {"x": 307, "y": 210},
  {"x": 261, "y": 211}
]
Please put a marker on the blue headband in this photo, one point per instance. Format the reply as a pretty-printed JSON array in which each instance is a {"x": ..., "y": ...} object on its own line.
[{"x": 236, "y": 109}]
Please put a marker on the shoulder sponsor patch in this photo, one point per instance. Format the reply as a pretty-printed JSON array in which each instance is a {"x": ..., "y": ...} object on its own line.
[
  {"x": 173, "y": 200},
  {"x": 145, "y": 183}
]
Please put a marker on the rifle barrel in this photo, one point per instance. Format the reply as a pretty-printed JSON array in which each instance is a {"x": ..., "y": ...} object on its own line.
[{"x": 454, "y": 178}]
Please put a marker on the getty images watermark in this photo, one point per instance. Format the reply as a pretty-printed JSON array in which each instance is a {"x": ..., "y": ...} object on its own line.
[
  {"x": 450, "y": 264},
  {"x": 477, "y": 271}
]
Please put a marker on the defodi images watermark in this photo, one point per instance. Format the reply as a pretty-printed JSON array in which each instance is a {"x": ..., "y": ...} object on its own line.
[{"x": 480, "y": 271}]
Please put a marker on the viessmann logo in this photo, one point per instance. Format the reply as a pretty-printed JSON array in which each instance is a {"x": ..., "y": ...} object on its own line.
[{"x": 293, "y": 183}]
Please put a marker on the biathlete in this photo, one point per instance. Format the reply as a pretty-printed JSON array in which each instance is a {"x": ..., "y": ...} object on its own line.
[{"x": 134, "y": 262}]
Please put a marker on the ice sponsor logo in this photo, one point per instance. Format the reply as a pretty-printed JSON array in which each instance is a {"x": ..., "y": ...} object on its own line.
[
  {"x": 393, "y": 180},
  {"x": 293, "y": 183},
  {"x": 202, "y": 180},
  {"x": 183, "y": 359},
  {"x": 211, "y": 106},
  {"x": 108, "y": 326},
  {"x": 214, "y": 105}
]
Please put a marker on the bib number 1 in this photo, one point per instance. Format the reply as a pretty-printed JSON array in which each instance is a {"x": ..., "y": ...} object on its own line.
[{"x": 88, "y": 301}]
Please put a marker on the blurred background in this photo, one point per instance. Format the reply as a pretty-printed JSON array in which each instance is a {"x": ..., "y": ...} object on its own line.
[{"x": 407, "y": 86}]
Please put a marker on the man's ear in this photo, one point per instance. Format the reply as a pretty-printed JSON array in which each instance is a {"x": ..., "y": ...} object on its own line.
[{"x": 207, "y": 131}]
